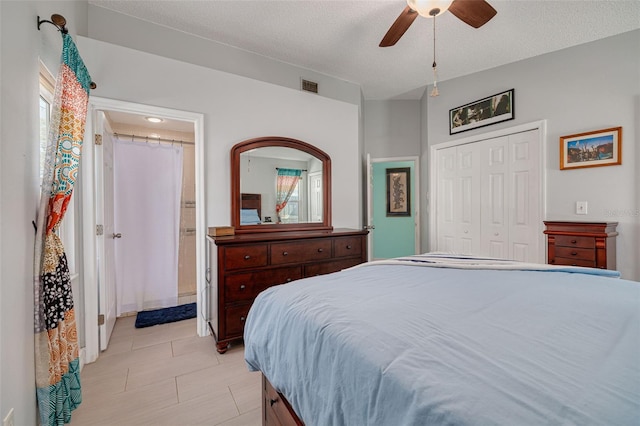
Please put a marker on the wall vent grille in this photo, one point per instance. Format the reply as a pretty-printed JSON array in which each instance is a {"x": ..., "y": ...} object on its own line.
[{"x": 309, "y": 86}]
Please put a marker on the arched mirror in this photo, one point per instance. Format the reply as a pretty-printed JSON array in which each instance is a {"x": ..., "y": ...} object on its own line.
[{"x": 279, "y": 184}]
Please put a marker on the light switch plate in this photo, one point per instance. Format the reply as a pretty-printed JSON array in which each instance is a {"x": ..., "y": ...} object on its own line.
[{"x": 581, "y": 207}]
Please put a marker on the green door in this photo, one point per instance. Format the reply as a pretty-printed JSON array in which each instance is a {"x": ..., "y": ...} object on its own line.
[{"x": 393, "y": 195}]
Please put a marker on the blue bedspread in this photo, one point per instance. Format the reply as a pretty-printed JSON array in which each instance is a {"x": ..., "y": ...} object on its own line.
[{"x": 404, "y": 344}]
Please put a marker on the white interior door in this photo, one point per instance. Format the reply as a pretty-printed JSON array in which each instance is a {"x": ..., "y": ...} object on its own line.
[
  {"x": 445, "y": 210},
  {"x": 494, "y": 193},
  {"x": 106, "y": 241},
  {"x": 525, "y": 205},
  {"x": 315, "y": 197},
  {"x": 467, "y": 201},
  {"x": 370, "y": 226},
  {"x": 488, "y": 197}
]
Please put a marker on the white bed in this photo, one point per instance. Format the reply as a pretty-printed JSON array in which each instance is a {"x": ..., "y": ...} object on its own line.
[{"x": 415, "y": 341}]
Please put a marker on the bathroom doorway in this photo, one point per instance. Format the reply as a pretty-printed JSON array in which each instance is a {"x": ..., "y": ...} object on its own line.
[
  {"x": 129, "y": 126},
  {"x": 154, "y": 191}
]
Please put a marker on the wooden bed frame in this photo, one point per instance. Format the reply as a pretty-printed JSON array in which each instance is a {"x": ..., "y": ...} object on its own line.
[
  {"x": 276, "y": 410},
  {"x": 251, "y": 201}
]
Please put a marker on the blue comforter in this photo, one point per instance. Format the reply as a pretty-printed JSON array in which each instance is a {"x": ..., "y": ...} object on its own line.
[{"x": 403, "y": 344}]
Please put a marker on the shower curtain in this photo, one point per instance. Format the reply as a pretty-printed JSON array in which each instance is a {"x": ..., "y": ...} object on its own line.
[
  {"x": 57, "y": 364},
  {"x": 147, "y": 191}
]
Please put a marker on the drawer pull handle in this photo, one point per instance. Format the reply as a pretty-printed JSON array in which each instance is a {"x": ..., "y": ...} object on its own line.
[
  {"x": 349, "y": 247},
  {"x": 319, "y": 250},
  {"x": 272, "y": 401},
  {"x": 242, "y": 287},
  {"x": 242, "y": 319},
  {"x": 288, "y": 280},
  {"x": 573, "y": 253},
  {"x": 285, "y": 253},
  {"x": 247, "y": 257},
  {"x": 574, "y": 241}
]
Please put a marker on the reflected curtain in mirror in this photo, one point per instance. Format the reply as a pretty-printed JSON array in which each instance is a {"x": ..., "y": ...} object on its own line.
[{"x": 287, "y": 183}]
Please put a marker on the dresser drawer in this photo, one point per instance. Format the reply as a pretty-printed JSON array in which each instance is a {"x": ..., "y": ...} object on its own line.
[
  {"x": 347, "y": 246},
  {"x": 573, "y": 262},
  {"x": 250, "y": 256},
  {"x": 235, "y": 317},
  {"x": 277, "y": 411},
  {"x": 300, "y": 251},
  {"x": 329, "y": 267},
  {"x": 573, "y": 241},
  {"x": 576, "y": 253},
  {"x": 246, "y": 286}
]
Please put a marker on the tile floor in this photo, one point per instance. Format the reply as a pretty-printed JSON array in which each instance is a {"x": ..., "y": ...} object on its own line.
[{"x": 167, "y": 375}]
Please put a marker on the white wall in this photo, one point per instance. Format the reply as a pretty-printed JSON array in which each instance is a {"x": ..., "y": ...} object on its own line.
[
  {"x": 588, "y": 87},
  {"x": 235, "y": 109},
  {"x": 148, "y": 37},
  {"x": 392, "y": 128},
  {"x": 22, "y": 44}
]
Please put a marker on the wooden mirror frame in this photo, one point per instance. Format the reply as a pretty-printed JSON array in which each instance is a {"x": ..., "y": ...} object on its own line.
[{"x": 278, "y": 141}]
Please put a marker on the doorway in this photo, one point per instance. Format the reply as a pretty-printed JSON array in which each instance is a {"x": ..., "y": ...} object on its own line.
[
  {"x": 120, "y": 116},
  {"x": 394, "y": 230}
]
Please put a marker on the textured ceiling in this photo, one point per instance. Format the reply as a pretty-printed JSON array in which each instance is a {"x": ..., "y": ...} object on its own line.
[{"x": 340, "y": 38}]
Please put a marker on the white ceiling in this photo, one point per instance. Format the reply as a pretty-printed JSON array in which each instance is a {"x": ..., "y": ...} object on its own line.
[{"x": 340, "y": 38}]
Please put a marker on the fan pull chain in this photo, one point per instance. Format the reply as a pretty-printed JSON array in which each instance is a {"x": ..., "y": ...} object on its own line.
[{"x": 434, "y": 92}]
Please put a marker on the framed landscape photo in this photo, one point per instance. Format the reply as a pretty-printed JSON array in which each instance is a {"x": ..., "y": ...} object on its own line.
[
  {"x": 490, "y": 110},
  {"x": 399, "y": 191},
  {"x": 591, "y": 149}
]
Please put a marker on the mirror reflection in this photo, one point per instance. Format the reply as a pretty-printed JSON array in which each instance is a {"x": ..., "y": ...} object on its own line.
[{"x": 280, "y": 185}]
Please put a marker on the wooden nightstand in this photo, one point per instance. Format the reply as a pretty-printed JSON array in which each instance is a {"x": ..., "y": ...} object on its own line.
[{"x": 591, "y": 244}]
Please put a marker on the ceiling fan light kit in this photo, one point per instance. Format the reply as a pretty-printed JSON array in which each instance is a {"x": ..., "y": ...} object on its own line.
[{"x": 428, "y": 8}]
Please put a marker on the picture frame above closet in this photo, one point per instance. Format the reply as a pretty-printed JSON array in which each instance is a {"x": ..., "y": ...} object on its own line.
[{"x": 484, "y": 112}]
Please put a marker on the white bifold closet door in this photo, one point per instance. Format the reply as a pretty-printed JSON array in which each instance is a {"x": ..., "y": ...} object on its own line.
[{"x": 488, "y": 198}]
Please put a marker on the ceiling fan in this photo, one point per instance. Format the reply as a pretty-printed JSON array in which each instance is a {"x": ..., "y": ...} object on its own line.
[{"x": 473, "y": 12}]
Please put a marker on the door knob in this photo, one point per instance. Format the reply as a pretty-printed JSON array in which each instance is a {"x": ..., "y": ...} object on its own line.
[{"x": 118, "y": 235}]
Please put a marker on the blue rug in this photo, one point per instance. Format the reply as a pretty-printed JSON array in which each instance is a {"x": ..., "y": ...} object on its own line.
[{"x": 165, "y": 315}]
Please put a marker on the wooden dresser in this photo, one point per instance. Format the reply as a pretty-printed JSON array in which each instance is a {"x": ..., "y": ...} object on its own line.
[
  {"x": 250, "y": 263},
  {"x": 591, "y": 244}
]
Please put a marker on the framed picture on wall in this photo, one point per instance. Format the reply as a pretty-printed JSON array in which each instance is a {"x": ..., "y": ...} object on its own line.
[
  {"x": 490, "y": 110},
  {"x": 399, "y": 191},
  {"x": 591, "y": 149}
]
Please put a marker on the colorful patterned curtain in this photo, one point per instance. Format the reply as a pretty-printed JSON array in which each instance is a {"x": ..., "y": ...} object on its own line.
[
  {"x": 56, "y": 339},
  {"x": 285, "y": 185}
]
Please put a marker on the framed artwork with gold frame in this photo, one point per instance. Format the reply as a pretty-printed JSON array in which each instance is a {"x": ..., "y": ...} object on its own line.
[{"x": 591, "y": 149}]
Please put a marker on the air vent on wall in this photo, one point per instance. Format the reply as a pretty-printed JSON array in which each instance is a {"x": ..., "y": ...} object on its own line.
[{"x": 309, "y": 86}]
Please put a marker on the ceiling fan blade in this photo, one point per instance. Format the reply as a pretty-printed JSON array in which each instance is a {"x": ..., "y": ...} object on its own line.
[
  {"x": 399, "y": 26},
  {"x": 473, "y": 12}
]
